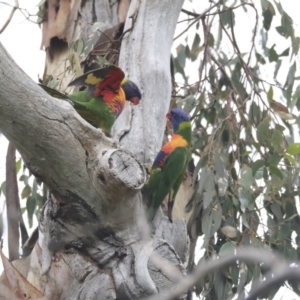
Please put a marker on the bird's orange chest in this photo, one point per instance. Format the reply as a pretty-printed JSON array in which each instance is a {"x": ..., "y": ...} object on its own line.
[
  {"x": 114, "y": 99},
  {"x": 176, "y": 141}
]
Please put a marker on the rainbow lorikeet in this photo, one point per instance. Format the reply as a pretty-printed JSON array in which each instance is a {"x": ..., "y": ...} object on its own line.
[
  {"x": 170, "y": 164},
  {"x": 103, "y": 100}
]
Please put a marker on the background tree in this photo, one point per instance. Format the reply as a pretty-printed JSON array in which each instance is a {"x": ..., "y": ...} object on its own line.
[{"x": 245, "y": 177}]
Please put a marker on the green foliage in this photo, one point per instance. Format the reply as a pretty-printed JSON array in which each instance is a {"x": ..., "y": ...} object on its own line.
[
  {"x": 42, "y": 11},
  {"x": 32, "y": 191},
  {"x": 3, "y": 188},
  {"x": 247, "y": 171}
]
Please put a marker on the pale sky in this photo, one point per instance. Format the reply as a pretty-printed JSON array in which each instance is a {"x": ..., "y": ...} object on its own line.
[{"x": 22, "y": 40}]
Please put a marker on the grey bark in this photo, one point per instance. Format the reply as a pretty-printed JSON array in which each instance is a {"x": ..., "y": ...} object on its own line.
[
  {"x": 12, "y": 203},
  {"x": 145, "y": 57},
  {"x": 97, "y": 211}
]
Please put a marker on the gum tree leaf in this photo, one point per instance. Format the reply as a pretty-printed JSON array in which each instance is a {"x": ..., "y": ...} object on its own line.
[
  {"x": 243, "y": 277},
  {"x": 291, "y": 76},
  {"x": 276, "y": 209},
  {"x": 227, "y": 17},
  {"x": 26, "y": 192},
  {"x": 274, "y": 170},
  {"x": 3, "y": 188},
  {"x": 30, "y": 206},
  {"x": 18, "y": 165},
  {"x": 246, "y": 177},
  {"x": 286, "y": 52},
  {"x": 229, "y": 231},
  {"x": 268, "y": 17},
  {"x": 290, "y": 158},
  {"x": 296, "y": 45},
  {"x": 263, "y": 130},
  {"x": 257, "y": 165},
  {"x": 209, "y": 189},
  {"x": 277, "y": 141},
  {"x": 216, "y": 217},
  {"x": 1, "y": 225},
  {"x": 284, "y": 231},
  {"x": 196, "y": 48},
  {"x": 227, "y": 249},
  {"x": 245, "y": 199},
  {"x": 245, "y": 220},
  {"x": 293, "y": 149},
  {"x": 274, "y": 159},
  {"x": 181, "y": 55},
  {"x": 273, "y": 56},
  {"x": 277, "y": 67},
  {"x": 270, "y": 93}
]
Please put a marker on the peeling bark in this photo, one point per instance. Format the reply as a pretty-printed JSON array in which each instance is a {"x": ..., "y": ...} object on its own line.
[{"x": 66, "y": 22}]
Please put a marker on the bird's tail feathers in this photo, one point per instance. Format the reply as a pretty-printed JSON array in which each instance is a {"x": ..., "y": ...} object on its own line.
[
  {"x": 151, "y": 213},
  {"x": 170, "y": 208}
]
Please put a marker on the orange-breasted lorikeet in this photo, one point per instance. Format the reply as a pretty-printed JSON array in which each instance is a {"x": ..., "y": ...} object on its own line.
[
  {"x": 170, "y": 164},
  {"x": 104, "y": 97}
]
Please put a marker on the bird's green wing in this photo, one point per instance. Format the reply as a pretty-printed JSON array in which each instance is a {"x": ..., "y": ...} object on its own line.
[
  {"x": 172, "y": 172},
  {"x": 54, "y": 93},
  {"x": 93, "y": 110},
  {"x": 101, "y": 79}
]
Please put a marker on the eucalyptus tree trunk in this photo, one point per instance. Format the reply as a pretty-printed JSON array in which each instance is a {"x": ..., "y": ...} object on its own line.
[{"x": 94, "y": 240}]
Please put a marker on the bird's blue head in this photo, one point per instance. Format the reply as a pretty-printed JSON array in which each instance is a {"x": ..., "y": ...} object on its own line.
[
  {"x": 176, "y": 116},
  {"x": 132, "y": 92}
]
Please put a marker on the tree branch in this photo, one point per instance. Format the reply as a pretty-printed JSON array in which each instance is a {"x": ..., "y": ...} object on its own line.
[
  {"x": 248, "y": 255},
  {"x": 56, "y": 143},
  {"x": 12, "y": 203}
]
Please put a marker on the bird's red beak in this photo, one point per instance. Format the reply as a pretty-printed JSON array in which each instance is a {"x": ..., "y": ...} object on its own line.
[
  {"x": 135, "y": 100},
  {"x": 168, "y": 115}
]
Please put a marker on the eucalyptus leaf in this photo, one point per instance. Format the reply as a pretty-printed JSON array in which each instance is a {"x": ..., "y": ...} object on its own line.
[
  {"x": 246, "y": 177},
  {"x": 1, "y": 225},
  {"x": 227, "y": 17},
  {"x": 274, "y": 170},
  {"x": 18, "y": 165},
  {"x": 26, "y": 192},
  {"x": 263, "y": 130},
  {"x": 227, "y": 249},
  {"x": 30, "y": 206},
  {"x": 293, "y": 149},
  {"x": 257, "y": 165},
  {"x": 243, "y": 277},
  {"x": 3, "y": 188}
]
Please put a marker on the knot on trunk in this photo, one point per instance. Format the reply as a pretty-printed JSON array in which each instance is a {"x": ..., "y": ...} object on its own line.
[{"x": 117, "y": 172}]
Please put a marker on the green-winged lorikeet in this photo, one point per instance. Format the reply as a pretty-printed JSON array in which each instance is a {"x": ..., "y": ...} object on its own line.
[
  {"x": 104, "y": 97},
  {"x": 170, "y": 164}
]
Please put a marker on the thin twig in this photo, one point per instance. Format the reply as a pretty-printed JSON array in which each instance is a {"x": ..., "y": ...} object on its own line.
[
  {"x": 196, "y": 20},
  {"x": 190, "y": 13},
  {"x": 10, "y": 16},
  {"x": 206, "y": 32}
]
